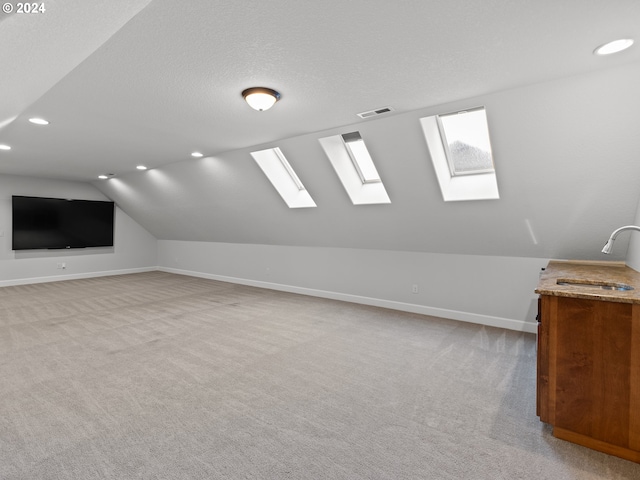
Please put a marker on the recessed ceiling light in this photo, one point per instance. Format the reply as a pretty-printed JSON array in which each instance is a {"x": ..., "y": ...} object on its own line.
[
  {"x": 102, "y": 177},
  {"x": 141, "y": 167},
  {"x": 614, "y": 47},
  {"x": 5, "y": 147},
  {"x": 197, "y": 154},
  {"x": 39, "y": 121}
]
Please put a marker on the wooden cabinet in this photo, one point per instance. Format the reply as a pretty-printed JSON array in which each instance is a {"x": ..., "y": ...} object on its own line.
[{"x": 588, "y": 379}]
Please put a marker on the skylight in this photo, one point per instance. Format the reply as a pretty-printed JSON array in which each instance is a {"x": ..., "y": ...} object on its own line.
[
  {"x": 465, "y": 136},
  {"x": 461, "y": 154},
  {"x": 282, "y": 176},
  {"x": 360, "y": 157},
  {"x": 352, "y": 162}
]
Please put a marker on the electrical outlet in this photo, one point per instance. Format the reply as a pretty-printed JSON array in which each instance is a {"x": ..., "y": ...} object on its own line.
[
  {"x": 414, "y": 288},
  {"x": 62, "y": 265}
]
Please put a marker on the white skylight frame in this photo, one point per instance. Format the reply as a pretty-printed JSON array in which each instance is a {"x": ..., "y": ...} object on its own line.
[
  {"x": 473, "y": 185},
  {"x": 282, "y": 176},
  {"x": 354, "y": 166}
]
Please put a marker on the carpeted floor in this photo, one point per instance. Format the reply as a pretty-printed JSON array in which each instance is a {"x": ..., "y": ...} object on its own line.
[{"x": 163, "y": 376}]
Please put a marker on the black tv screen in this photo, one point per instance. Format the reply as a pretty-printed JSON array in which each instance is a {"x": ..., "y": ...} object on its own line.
[{"x": 40, "y": 223}]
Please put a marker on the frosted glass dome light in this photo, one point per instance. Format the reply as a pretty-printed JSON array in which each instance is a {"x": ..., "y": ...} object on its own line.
[{"x": 260, "y": 98}]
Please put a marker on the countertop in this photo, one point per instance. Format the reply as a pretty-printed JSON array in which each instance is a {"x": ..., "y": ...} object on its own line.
[{"x": 588, "y": 275}]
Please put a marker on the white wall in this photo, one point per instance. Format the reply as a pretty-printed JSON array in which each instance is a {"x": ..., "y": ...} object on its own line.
[
  {"x": 633, "y": 252},
  {"x": 566, "y": 163},
  {"x": 490, "y": 290},
  {"x": 484, "y": 289},
  {"x": 134, "y": 249}
]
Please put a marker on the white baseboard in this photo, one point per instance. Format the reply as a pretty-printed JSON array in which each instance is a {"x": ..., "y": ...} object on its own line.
[
  {"x": 74, "y": 276},
  {"x": 487, "y": 320}
]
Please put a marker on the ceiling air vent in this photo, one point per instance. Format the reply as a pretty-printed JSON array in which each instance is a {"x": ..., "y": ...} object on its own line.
[{"x": 373, "y": 113}]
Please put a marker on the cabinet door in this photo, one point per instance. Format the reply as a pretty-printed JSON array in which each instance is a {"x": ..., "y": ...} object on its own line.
[{"x": 591, "y": 359}]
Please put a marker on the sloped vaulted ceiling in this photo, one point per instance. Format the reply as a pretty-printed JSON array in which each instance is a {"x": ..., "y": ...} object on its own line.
[
  {"x": 565, "y": 160},
  {"x": 165, "y": 80}
]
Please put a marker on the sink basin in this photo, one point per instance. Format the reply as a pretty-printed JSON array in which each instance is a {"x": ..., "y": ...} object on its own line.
[{"x": 599, "y": 285}]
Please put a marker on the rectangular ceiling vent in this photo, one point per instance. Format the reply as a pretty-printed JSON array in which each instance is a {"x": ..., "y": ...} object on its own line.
[{"x": 376, "y": 112}]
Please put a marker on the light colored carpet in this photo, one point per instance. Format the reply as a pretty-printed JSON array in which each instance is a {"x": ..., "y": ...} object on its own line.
[{"x": 162, "y": 376}]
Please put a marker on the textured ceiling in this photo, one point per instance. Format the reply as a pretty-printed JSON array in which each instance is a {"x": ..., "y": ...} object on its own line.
[{"x": 147, "y": 82}]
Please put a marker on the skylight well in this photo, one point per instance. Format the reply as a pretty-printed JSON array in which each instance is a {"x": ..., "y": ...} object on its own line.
[
  {"x": 282, "y": 176},
  {"x": 461, "y": 154},
  {"x": 360, "y": 157},
  {"x": 352, "y": 162}
]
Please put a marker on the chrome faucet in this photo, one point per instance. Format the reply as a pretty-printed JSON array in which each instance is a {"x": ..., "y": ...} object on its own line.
[{"x": 609, "y": 245}]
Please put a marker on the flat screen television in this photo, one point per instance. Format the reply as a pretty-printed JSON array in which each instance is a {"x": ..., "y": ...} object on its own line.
[{"x": 48, "y": 223}]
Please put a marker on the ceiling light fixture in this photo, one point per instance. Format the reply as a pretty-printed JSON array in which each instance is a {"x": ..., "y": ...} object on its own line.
[
  {"x": 141, "y": 167},
  {"x": 4, "y": 147},
  {"x": 102, "y": 177},
  {"x": 613, "y": 47},
  {"x": 197, "y": 155},
  {"x": 260, "y": 98},
  {"x": 39, "y": 121}
]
